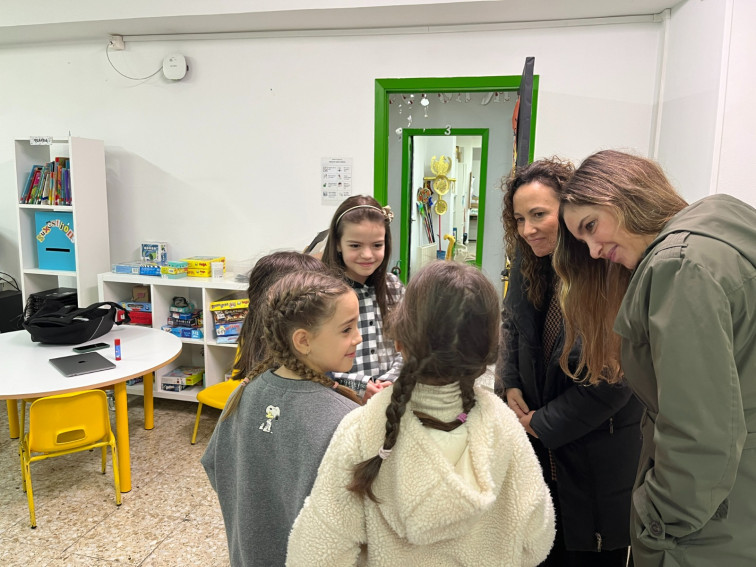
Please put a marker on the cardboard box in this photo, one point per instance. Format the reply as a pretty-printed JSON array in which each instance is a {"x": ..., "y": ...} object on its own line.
[
  {"x": 154, "y": 252},
  {"x": 55, "y": 240},
  {"x": 228, "y": 328},
  {"x": 174, "y": 270},
  {"x": 184, "y": 332},
  {"x": 184, "y": 375},
  {"x": 140, "y": 317},
  {"x": 137, "y": 306},
  {"x": 131, "y": 268},
  {"x": 227, "y": 339},
  {"x": 140, "y": 293},
  {"x": 229, "y": 311},
  {"x": 201, "y": 266}
]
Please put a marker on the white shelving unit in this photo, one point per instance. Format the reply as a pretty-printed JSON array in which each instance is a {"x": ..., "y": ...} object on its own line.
[
  {"x": 216, "y": 358},
  {"x": 90, "y": 216}
]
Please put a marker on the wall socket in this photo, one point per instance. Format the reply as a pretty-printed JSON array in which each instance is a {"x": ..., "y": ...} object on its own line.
[{"x": 116, "y": 43}]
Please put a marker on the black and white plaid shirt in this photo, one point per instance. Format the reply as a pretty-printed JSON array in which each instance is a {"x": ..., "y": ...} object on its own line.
[{"x": 375, "y": 358}]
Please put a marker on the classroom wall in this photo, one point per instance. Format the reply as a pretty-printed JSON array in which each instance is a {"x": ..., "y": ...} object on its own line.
[
  {"x": 227, "y": 160},
  {"x": 736, "y": 152},
  {"x": 692, "y": 95}
]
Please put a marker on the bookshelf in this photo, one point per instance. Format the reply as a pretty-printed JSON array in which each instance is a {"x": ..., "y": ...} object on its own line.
[
  {"x": 88, "y": 211},
  {"x": 216, "y": 358}
]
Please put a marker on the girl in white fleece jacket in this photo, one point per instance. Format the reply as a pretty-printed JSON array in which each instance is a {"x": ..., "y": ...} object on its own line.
[{"x": 433, "y": 471}]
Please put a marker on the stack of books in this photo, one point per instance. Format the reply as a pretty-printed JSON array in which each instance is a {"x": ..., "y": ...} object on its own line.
[{"x": 48, "y": 184}]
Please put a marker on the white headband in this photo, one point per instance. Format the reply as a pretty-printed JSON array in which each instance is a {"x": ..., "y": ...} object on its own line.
[{"x": 386, "y": 211}]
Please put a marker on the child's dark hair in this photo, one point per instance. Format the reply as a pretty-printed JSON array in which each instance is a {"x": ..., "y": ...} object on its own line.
[
  {"x": 267, "y": 271},
  {"x": 363, "y": 207},
  {"x": 299, "y": 300},
  {"x": 448, "y": 330}
]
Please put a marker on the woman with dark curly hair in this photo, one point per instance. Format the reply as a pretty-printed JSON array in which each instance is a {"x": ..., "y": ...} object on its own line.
[{"x": 586, "y": 437}]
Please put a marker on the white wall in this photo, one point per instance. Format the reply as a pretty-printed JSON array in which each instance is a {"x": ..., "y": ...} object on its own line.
[
  {"x": 692, "y": 94},
  {"x": 227, "y": 160},
  {"x": 736, "y": 156}
]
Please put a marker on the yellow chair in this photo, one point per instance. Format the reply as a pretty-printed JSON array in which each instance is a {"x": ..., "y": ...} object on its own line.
[
  {"x": 64, "y": 424},
  {"x": 214, "y": 396}
]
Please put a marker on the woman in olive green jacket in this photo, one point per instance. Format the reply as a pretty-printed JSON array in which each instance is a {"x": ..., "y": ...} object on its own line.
[{"x": 681, "y": 281}]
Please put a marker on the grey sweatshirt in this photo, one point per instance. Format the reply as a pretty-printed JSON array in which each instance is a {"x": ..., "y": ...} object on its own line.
[{"x": 263, "y": 460}]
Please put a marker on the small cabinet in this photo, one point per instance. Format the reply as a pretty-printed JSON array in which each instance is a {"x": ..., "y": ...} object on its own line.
[{"x": 216, "y": 358}]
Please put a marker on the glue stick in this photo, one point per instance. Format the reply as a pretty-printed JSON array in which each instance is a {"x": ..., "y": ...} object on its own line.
[{"x": 118, "y": 349}]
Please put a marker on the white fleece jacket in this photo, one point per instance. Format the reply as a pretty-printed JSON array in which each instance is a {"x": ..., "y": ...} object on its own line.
[{"x": 431, "y": 512}]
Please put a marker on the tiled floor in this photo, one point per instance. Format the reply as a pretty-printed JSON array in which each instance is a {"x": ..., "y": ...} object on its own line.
[{"x": 171, "y": 517}]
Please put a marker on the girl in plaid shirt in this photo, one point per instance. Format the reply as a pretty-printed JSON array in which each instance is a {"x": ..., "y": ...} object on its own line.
[{"x": 359, "y": 248}]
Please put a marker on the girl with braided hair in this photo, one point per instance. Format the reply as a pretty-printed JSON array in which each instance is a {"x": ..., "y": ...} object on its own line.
[
  {"x": 435, "y": 470},
  {"x": 264, "y": 454}
]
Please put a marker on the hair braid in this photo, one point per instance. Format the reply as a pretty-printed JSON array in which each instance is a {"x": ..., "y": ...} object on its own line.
[
  {"x": 365, "y": 473},
  {"x": 448, "y": 325}
]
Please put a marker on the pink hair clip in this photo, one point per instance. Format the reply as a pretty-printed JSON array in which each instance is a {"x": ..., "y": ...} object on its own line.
[{"x": 462, "y": 417}]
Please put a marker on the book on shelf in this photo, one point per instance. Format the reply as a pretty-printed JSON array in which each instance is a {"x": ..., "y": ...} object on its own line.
[
  {"x": 48, "y": 184},
  {"x": 31, "y": 182}
]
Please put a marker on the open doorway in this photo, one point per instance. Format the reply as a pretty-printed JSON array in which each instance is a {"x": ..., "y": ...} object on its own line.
[
  {"x": 491, "y": 100},
  {"x": 443, "y": 195}
]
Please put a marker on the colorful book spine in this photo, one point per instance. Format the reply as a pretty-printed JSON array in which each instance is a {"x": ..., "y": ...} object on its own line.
[{"x": 33, "y": 176}]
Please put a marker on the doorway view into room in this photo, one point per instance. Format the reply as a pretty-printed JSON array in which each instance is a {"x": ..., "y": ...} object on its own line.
[{"x": 445, "y": 184}]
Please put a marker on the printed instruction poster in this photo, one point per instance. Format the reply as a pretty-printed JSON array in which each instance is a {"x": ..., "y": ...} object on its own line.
[{"x": 335, "y": 180}]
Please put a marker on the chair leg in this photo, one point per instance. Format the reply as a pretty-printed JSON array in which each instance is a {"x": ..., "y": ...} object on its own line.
[
  {"x": 196, "y": 423},
  {"x": 104, "y": 451},
  {"x": 21, "y": 443},
  {"x": 116, "y": 475},
  {"x": 26, "y": 471}
]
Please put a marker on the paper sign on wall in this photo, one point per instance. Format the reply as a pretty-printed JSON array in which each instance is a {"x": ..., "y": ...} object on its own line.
[
  {"x": 335, "y": 180},
  {"x": 41, "y": 140}
]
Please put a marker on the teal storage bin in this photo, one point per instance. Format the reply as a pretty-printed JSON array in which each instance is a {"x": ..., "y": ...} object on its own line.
[{"x": 55, "y": 240}]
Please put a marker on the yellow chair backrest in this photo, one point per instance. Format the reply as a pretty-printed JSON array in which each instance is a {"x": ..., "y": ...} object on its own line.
[{"x": 68, "y": 421}]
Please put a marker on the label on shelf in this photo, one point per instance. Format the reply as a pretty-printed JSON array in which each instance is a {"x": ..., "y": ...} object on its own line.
[{"x": 41, "y": 140}]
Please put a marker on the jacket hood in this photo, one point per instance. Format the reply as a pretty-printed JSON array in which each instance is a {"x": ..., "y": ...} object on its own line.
[
  {"x": 721, "y": 217},
  {"x": 422, "y": 496}
]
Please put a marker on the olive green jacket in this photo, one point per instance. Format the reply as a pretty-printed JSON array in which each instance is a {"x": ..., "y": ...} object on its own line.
[{"x": 688, "y": 328}]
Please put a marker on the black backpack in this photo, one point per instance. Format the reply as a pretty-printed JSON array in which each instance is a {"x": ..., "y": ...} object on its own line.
[{"x": 59, "y": 324}]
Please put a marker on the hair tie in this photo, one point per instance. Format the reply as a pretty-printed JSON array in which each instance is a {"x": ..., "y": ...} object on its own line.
[
  {"x": 335, "y": 385},
  {"x": 462, "y": 417},
  {"x": 384, "y": 453},
  {"x": 386, "y": 211},
  {"x": 245, "y": 381}
]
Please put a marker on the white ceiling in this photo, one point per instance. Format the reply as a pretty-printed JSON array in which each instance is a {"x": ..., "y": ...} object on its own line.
[{"x": 42, "y": 21}]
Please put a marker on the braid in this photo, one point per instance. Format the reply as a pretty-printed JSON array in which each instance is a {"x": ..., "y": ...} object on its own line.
[
  {"x": 301, "y": 300},
  {"x": 364, "y": 473},
  {"x": 233, "y": 401},
  {"x": 296, "y": 365},
  {"x": 448, "y": 325}
]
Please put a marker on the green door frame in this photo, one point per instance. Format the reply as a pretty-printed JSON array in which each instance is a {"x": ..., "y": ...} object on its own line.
[
  {"x": 386, "y": 87},
  {"x": 407, "y": 192}
]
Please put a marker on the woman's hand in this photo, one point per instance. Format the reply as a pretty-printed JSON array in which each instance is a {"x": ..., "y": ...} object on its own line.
[
  {"x": 517, "y": 403},
  {"x": 525, "y": 421}
]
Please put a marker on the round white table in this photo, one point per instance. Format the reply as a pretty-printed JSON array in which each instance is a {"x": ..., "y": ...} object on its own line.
[{"x": 27, "y": 373}]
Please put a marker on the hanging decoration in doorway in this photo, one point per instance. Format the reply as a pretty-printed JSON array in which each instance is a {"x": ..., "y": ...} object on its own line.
[
  {"x": 402, "y": 101},
  {"x": 441, "y": 182}
]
